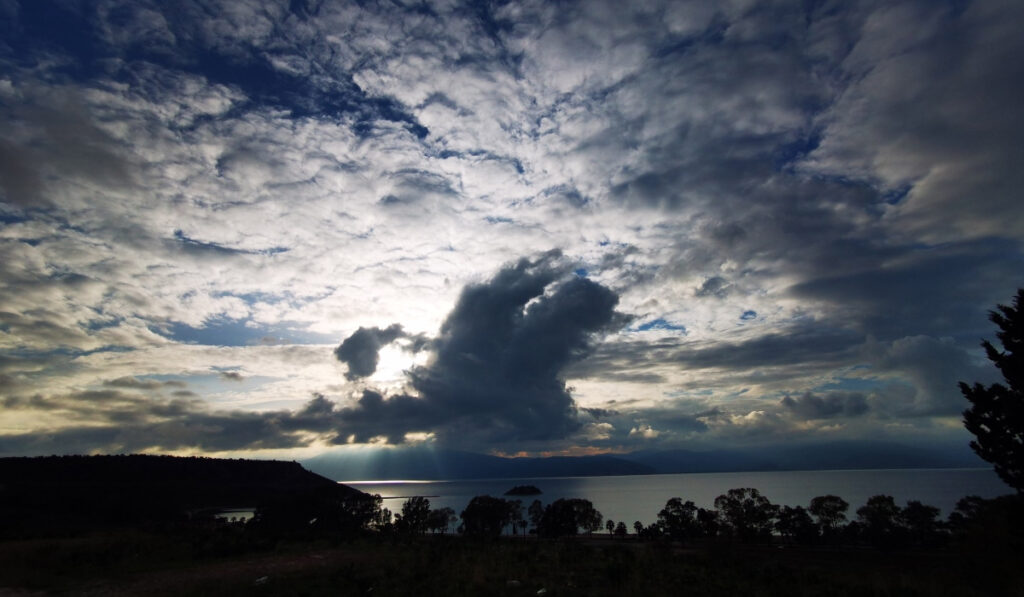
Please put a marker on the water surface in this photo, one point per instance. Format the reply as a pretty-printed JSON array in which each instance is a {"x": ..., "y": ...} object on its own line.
[{"x": 640, "y": 497}]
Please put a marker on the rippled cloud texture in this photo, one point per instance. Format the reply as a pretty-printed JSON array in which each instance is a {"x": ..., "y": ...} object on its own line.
[{"x": 283, "y": 227}]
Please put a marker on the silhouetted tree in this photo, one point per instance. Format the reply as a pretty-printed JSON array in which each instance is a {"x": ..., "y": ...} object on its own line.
[
  {"x": 440, "y": 519},
  {"x": 880, "y": 521},
  {"x": 365, "y": 512},
  {"x": 591, "y": 519},
  {"x": 651, "y": 531},
  {"x": 381, "y": 520},
  {"x": 678, "y": 519},
  {"x": 415, "y": 515},
  {"x": 796, "y": 525},
  {"x": 989, "y": 526},
  {"x": 830, "y": 510},
  {"x": 564, "y": 517},
  {"x": 996, "y": 416},
  {"x": 966, "y": 513},
  {"x": 515, "y": 510},
  {"x": 486, "y": 516},
  {"x": 638, "y": 527},
  {"x": 748, "y": 514},
  {"x": 921, "y": 522},
  {"x": 707, "y": 521},
  {"x": 323, "y": 513},
  {"x": 610, "y": 525},
  {"x": 620, "y": 529},
  {"x": 535, "y": 512}
]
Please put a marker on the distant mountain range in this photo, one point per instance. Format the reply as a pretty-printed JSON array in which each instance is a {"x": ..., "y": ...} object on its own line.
[
  {"x": 423, "y": 463},
  {"x": 426, "y": 464}
]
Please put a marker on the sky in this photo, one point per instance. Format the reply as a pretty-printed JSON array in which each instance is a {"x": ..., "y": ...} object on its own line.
[{"x": 277, "y": 229}]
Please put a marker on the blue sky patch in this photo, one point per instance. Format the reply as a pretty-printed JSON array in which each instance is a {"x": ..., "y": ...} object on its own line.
[
  {"x": 660, "y": 324},
  {"x": 223, "y": 331}
]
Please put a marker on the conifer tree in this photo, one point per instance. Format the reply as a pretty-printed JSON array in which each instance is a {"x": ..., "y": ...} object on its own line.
[{"x": 996, "y": 415}]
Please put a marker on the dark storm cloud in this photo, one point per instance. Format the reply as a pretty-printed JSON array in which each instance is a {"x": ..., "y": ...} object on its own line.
[
  {"x": 119, "y": 421},
  {"x": 834, "y": 404},
  {"x": 373, "y": 416},
  {"x": 499, "y": 360},
  {"x": 360, "y": 351},
  {"x": 933, "y": 366},
  {"x": 207, "y": 432},
  {"x": 716, "y": 286},
  {"x": 927, "y": 118},
  {"x": 942, "y": 290},
  {"x": 744, "y": 172},
  {"x": 803, "y": 345}
]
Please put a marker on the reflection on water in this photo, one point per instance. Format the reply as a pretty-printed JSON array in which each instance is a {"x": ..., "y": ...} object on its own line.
[
  {"x": 640, "y": 497},
  {"x": 235, "y": 514}
]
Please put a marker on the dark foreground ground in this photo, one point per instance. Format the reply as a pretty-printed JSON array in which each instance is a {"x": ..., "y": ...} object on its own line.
[{"x": 152, "y": 564}]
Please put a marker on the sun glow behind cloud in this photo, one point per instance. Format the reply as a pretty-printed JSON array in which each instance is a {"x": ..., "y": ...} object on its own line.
[
  {"x": 192, "y": 191},
  {"x": 394, "y": 362}
]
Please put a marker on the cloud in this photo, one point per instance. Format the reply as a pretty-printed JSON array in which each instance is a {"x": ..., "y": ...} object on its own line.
[
  {"x": 945, "y": 290},
  {"x": 182, "y": 186},
  {"x": 834, "y": 404},
  {"x": 913, "y": 123},
  {"x": 496, "y": 372},
  {"x": 142, "y": 384},
  {"x": 360, "y": 350},
  {"x": 806, "y": 344},
  {"x": 115, "y": 421},
  {"x": 716, "y": 286},
  {"x": 933, "y": 367},
  {"x": 52, "y": 134},
  {"x": 645, "y": 431}
]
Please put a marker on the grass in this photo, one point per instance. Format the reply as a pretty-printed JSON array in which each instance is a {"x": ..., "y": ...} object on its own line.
[{"x": 213, "y": 562}]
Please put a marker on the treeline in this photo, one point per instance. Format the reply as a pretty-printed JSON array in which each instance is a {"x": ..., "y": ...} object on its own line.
[{"x": 741, "y": 515}]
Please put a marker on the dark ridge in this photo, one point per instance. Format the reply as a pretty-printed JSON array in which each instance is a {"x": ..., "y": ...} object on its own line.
[
  {"x": 419, "y": 463},
  {"x": 99, "y": 490}
]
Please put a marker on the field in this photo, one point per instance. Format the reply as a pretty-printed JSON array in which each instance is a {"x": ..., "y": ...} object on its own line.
[{"x": 228, "y": 562}]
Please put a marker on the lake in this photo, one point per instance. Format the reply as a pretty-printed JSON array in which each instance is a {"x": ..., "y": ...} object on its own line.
[{"x": 640, "y": 497}]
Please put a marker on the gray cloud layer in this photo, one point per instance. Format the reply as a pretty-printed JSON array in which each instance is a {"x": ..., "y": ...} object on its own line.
[{"x": 805, "y": 208}]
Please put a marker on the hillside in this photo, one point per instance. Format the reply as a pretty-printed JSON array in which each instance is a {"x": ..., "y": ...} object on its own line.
[{"x": 104, "y": 489}]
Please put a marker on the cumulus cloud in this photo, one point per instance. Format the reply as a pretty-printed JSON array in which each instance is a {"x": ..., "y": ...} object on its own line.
[
  {"x": 197, "y": 189},
  {"x": 933, "y": 367},
  {"x": 360, "y": 350},
  {"x": 645, "y": 431},
  {"x": 495, "y": 377},
  {"x": 497, "y": 371},
  {"x": 716, "y": 286}
]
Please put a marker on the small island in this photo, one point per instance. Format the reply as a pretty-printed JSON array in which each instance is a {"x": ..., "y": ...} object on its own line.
[{"x": 524, "y": 490}]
